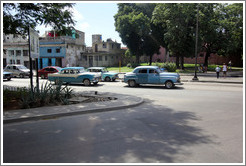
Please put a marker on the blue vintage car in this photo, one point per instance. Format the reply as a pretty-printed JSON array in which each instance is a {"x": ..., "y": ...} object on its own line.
[
  {"x": 74, "y": 75},
  {"x": 151, "y": 75},
  {"x": 105, "y": 74}
]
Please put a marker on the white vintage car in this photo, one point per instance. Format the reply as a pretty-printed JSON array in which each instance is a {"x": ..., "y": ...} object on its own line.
[{"x": 74, "y": 75}]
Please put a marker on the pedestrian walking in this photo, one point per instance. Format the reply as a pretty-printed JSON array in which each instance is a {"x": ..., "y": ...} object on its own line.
[
  {"x": 217, "y": 69},
  {"x": 224, "y": 69}
]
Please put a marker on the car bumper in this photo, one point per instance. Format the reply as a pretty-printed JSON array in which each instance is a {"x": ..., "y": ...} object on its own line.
[{"x": 178, "y": 83}]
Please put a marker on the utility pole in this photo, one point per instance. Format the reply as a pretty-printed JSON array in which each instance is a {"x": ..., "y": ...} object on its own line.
[
  {"x": 195, "y": 76},
  {"x": 30, "y": 60}
]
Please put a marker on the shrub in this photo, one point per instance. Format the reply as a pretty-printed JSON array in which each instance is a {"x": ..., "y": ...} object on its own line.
[{"x": 170, "y": 67}]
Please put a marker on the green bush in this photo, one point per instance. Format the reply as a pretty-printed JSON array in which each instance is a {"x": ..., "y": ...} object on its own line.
[
  {"x": 132, "y": 65},
  {"x": 170, "y": 67}
]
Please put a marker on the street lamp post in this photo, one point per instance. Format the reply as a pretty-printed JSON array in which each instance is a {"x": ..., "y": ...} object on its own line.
[{"x": 195, "y": 76}]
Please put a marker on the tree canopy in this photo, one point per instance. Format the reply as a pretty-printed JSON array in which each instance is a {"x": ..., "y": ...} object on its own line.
[
  {"x": 144, "y": 27},
  {"x": 18, "y": 17}
]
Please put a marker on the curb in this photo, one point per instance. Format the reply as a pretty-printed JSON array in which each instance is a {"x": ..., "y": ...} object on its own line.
[
  {"x": 211, "y": 81},
  {"x": 86, "y": 111}
]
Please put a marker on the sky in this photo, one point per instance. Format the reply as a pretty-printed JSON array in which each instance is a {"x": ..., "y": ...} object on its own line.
[{"x": 93, "y": 18}]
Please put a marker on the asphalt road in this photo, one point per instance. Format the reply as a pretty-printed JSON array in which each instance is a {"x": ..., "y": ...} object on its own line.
[{"x": 193, "y": 123}]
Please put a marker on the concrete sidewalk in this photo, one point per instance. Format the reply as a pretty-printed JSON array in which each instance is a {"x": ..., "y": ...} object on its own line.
[{"x": 122, "y": 101}]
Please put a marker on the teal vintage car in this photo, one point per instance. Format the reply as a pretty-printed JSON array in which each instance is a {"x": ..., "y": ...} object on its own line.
[
  {"x": 151, "y": 75},
  {"x": 74, "y": 75},
  {"x": 105, "y": 74}
]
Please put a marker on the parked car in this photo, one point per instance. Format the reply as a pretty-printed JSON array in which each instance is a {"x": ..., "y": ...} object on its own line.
[
  {"x": 7, "y": 75},
  {"x": 74, "y": 75},
  {"x": 151, "y": 75},
  {"x": 43, "y": 73},
  {"x": 17, "y": 70},
  {"x": 105, "y": 74}
]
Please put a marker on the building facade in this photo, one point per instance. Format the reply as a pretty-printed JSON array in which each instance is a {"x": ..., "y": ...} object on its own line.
[
  {"x": 102, "y": 53},
  {"x": 61, "y": 50},
  {"x": 16, "y": 50}
]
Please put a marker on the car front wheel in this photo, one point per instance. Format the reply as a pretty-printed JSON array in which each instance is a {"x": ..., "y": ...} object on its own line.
[
  {"x": 169, "y": 84},
  {"x": 86, "y": 82},
  {"x": 131, "y": 83},
  {"x": 107, "y": 79}
]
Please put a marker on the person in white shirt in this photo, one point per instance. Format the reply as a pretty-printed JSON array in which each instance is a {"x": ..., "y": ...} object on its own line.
[
  {"x": 224, "y": 69},
  {"x": 217, "y": 69}
]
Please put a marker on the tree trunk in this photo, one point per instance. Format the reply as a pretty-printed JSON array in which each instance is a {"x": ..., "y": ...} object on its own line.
[
  {"x": 150, "y": 60},
  {"x": 182, "y": 63},
  {"x": 206, "y": 58},
  {"x": 177, "y": 61}
]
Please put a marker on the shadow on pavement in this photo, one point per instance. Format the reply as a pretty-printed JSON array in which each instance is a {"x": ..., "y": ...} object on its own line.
[{"x": 146, "y": 134}]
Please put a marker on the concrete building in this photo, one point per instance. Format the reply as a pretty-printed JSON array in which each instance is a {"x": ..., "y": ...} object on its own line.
[
  {"x": 61, "y": 51},
  {"x": 102, "y": 53},
  {"x": 16, "y": 50}
]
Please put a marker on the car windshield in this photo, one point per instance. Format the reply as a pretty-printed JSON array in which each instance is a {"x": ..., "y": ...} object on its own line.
[
  {"x": 58, "y": 68},
  {"x": 105, "y": 70},
  {"x": 21, "y": 67}
]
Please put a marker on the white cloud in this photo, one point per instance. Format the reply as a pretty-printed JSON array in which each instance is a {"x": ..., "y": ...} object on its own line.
[
  {"x": 83, "y": 26},
  {"x": 76, "y": 14}
]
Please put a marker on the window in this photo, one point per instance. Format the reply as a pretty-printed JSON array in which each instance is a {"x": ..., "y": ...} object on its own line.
[
  {"x": 142, "y": 71},
  {"x": 25, "y": 52},
  {"x": 58, "y": 50},
  {"x": 104, "y": 45},
  {"x": 11, "y": 52},
  {"x": 18, "y": 52},
  {"x": 112, "y": 46},
  {"x": 96, "y": 58},
  {"x": 18, "y": 61},
  {"x": 152, "y": 71},
  {"x": 106, "y": 58},
  {"x": 85, "y": 57},
  {"x": 100, "y": 58},
  {"x": 49, "y": 51}
]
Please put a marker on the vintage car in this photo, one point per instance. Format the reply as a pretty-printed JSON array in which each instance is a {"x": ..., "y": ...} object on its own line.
[
  {"x": 105, "y": 74},
  {"x": 7, "y": 75},
  {"x": 43, "y": 73},
  {"x": 151, "y": 75},
  {"x": 17, "y": 70},
  {"x": 74, "y": 75}
]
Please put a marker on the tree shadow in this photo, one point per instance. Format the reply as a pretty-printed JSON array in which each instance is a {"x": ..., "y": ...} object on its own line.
[{"x": 154, "y": 134}]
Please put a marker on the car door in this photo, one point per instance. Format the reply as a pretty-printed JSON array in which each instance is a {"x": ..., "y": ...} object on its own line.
[
  {"x": 153, "y": 77},
  {"x": 142, "y": 76}
]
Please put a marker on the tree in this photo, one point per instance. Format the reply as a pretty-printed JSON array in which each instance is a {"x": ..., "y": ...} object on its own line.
[
  {"x": 231, "y": 32},
  {"x": 178, "y": 20},
  {"x": 131, "y": 26},
  {"x": 17, "y": 17}
]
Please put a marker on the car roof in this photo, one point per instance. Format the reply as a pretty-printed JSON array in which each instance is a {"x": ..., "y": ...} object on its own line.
[
  {"x": 73, "y": 68},
  {"x": 96, "y": 68},
  {"x": 147, "y": 67},
  {"x": 15, "y": 65}
]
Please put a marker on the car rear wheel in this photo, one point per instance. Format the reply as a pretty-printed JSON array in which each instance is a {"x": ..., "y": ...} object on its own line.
[
  {"x": 42, "y": 76},
  {"x": 132, "y": 83},
  {"x": 107, "y": 79},
  {"x": 169, "y": 84},
  {"x": 86, "y": 82},
  {"x": 21, "y": 75}
]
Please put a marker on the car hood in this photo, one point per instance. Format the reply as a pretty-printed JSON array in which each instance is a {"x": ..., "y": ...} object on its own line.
[
  {"x": 110, "y": 73},
  {"x": 164, "y": 74},
  {"x": 25, "y": 70}
]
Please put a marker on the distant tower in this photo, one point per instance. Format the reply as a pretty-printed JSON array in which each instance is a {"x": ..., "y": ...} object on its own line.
[{"x": 96, "y": 38}]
